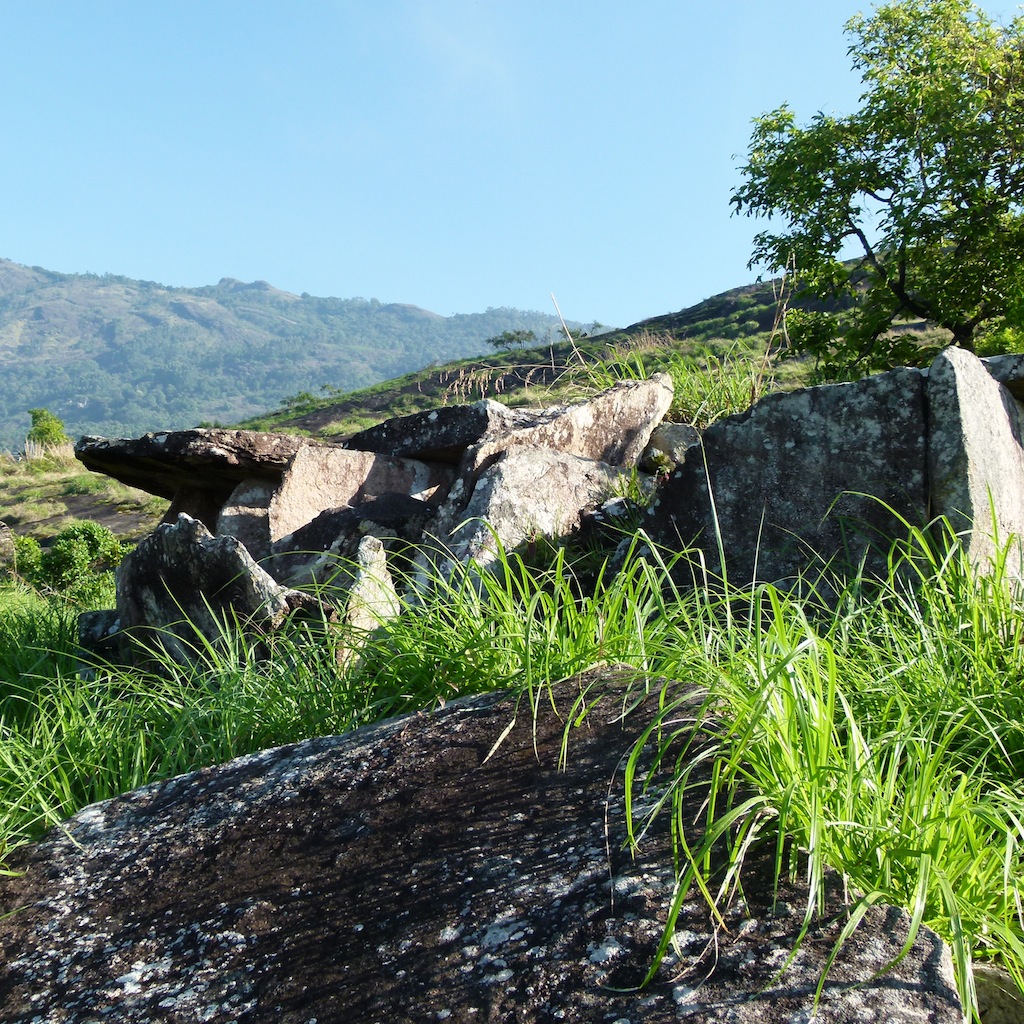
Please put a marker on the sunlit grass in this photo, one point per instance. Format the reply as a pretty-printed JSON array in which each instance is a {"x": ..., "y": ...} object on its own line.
[{"x": 880, "y": 736}]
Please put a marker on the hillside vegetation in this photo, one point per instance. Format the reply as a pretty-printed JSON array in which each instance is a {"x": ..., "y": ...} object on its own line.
[{"x": 114, "y": 356}]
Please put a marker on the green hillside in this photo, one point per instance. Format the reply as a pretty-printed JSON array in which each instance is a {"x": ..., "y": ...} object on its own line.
[
  {"x": 733, "y": 329},
  {"x": 115, "y": 356}
]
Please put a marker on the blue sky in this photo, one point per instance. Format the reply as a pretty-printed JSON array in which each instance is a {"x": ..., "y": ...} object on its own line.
[{"x": 455, "y": 154}]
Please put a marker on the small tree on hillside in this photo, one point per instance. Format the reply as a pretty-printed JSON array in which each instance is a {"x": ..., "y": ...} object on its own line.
[
  {"x": 508, "y": 340},
  {"x": 47, "y": 429},
  {"x": 926, "y": 180}
]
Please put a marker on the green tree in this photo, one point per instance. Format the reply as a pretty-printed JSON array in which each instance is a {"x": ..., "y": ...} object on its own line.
[
  {"x": 509, "y": 340},
  {"x": 925, "y": 181},
  {"x": 47, "y": 429}
]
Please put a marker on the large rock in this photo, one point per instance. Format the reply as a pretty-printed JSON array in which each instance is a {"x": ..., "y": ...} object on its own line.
[
  {"x": 1008, "y": 370},
  {"x": 182, "y": 587},
  {"x": 540, "y": 480},
  {"x": 196, "y": 469},
  {"x": 441, "y": 435},
  {"x": 975, "y": 459},
  {"x": 316, "y": 479},
  {"x": 802, "y": 479},
  {"x": 613, "y": 426},
  {"x": 524, "y": 494},
  {"x": 402, "y": 874}
]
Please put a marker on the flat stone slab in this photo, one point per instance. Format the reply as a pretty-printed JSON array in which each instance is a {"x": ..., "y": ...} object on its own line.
[
  {"x": 162, "y": 463},
  {"x": 401, "y": 874}
]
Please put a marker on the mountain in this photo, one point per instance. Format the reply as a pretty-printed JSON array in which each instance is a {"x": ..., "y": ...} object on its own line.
[{"x": 115, "y": 356}]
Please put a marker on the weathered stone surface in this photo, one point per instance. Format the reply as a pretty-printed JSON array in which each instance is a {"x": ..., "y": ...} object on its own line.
[
  {"x": 975, "y": 459},
  {"x": 999, "y": 999},
  {"x": 372, "y": 598},
  {"x": 669, "y": 445},
  {"x": 245, "y": 515},
  {"x": 613, "y": 427},
  {"x": 1008, "y": 370},
  {"x": 441, "y": 435},
  {"x": 181, "y": 583},
  {"x": 317, "y": 479},
  {"x": 525, "y": 493},
  {"x": 7, "y": 550},
  {"x": 400, "y": 874},
  {"x": 98, "y": 633},
  {"x": 540, "y": 480},
  {"x": 802, "y": 477},
  {"x": 197, "y": 469},
  {"x": 315, "y": 554}
]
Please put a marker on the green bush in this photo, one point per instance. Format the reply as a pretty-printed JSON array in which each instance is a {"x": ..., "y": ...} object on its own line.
[
  {"x": 47, "y": 429},
  {"x": 78, "y": 564},
  {"x": 27, "y": 558}
]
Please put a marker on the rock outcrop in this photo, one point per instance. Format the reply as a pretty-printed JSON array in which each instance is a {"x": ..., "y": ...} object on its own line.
[
  {"x": 804, "y": 481},
  {"x": 411, "y": 872}
]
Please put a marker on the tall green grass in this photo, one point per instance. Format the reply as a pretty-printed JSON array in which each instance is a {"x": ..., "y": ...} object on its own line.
[
  {"x": 882, "y": 739},
  {"x": 879, "y": 736}
]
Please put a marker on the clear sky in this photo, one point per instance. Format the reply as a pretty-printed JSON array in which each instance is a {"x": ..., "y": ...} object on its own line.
[{"x": 455, "y": 154}]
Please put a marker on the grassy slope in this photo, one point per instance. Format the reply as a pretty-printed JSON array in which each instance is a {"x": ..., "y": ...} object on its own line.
[{"x": 883, "y": 740}]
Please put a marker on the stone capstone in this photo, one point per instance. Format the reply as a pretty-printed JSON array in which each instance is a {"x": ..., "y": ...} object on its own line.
[
  {"x": 420, "y": 870},
  {"x": 196, "y": 469},
  {"x": 441, "y": 435},
  {"x": 612, "y": 427}
]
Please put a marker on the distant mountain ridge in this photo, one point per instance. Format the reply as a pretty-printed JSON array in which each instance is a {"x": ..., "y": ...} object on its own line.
[{"x": 116, "y": 356}]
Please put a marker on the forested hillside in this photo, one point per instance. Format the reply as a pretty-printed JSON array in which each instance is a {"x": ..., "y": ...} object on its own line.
[{"x": 115, "y": 356}]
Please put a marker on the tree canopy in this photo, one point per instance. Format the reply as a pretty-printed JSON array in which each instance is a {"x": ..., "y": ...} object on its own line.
[{"x": 923, "y": 184}]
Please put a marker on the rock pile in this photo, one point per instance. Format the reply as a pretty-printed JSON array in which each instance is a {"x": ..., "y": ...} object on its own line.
[{"x": 801, "y": 481}]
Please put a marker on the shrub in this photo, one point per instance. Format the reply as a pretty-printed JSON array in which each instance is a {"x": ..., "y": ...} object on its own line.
[
  {"x": 47, "y": 429},
  {"x": 78, "y": 564}
]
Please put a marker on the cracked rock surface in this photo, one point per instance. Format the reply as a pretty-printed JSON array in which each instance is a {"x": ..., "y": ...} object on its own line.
[{"x": 399, "y": 874}]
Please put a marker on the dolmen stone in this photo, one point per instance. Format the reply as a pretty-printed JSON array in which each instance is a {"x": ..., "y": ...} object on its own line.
[
  {"x": 300, "y": 508},
  {"x": 975, "y": 455},
  {"x": 802, "y": 479},
  {"x": 613, "y": 427},
  {"x": 421, "y": 870},
  {"x": 196, "y": 469},
  {"x": 441, "y": 435},
  {"x": 542, "y": 479},
  {"x": 182, "y": 587},
  {"x": 828, "y": 477}
]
